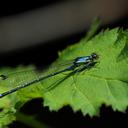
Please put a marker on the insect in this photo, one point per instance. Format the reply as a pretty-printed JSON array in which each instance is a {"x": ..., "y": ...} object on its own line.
[{"x": 77, "y": 64}]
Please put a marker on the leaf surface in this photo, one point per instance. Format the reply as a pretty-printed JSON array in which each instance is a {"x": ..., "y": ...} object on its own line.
[{"x": 104, "y": 83}]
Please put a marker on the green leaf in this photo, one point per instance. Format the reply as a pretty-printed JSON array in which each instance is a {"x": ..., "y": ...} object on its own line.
[{"x": 104, "y": 83}]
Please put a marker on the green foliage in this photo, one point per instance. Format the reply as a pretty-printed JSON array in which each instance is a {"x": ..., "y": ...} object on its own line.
[{"x": 105, "y": 83}]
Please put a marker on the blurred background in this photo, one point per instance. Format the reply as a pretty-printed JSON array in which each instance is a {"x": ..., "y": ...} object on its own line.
[{"x": 34, "y": 32}]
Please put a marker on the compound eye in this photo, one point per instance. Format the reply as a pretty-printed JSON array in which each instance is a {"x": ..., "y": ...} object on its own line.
[{"x": 94, "y": 56}]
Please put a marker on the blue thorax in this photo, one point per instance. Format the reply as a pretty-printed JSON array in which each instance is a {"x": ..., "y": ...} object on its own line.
[{"x": 81, "y": 60}]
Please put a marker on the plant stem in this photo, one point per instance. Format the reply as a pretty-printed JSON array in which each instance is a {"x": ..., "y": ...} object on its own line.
[{"x": 30, "y": 121}]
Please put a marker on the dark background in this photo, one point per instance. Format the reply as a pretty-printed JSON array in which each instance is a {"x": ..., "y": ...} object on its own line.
[{"x": 46, "y": 51}]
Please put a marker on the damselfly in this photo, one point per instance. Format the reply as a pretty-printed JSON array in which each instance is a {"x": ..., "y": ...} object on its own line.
[{"x": 77, "y": 65}]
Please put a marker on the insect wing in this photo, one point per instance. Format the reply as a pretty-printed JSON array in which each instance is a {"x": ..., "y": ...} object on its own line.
[{"x": 19, "y": 78}]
